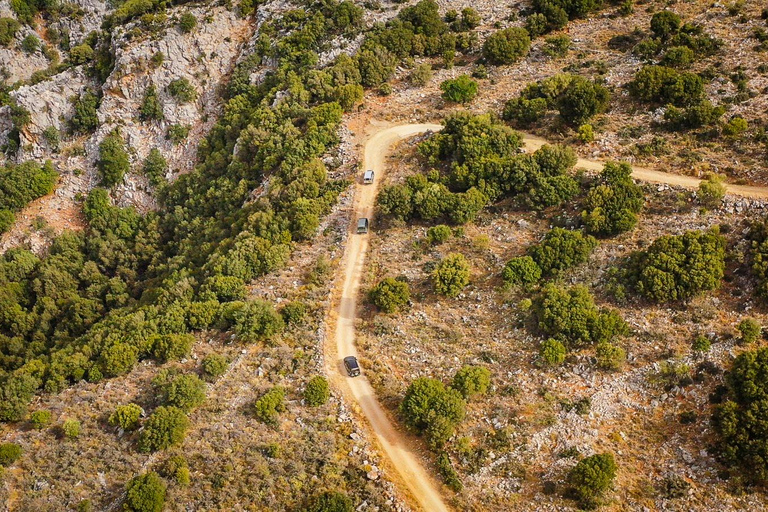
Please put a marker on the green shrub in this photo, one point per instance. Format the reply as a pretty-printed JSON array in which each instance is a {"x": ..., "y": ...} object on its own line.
[
  {"x": 85, "y": 118},
  {"x": 30, "y": 44},
  {"x": 522, "y": 270},
  {"x": 735, "y": 126},
  {"x": 660, "y": 84},
  {"x": 695, "y": 116},
  {"x": 52, "y": 137},
  {"x": 711, "y": 190},
  {"x": 15, "y": 394},
  {"x": 145, "y": 493},
  {"x": 592, "y": 477},
  {"x": 126, "y": 416},
  {"x": 185, "y": 392},
  {"x": 155, "y": 167},
  {"x": 429, "y": 407},
  {"x": 214, "y": 366},
  {"x": 679, "y": 267},
  {"x": 560, "y": 250},
  {"x": 151, "y": 109},
  {"x": 701, "y": 344},
  {"x": 750, "y": 330},
  {"x": 178, "y": 133},
  {"x": 451, "y": 275},
  {"x": 81, "y": 54},
  {"x": 113, "y": 161},
  {"x": 536, "y": 24},
  {"x": 557, "y": 46},
  {"x": 330, "y": 501},
  {"x": 506, "y": 46},
  {"x": 523, "y": 111},
  {"x": 741, "y": 428},
  {"x": 177, "y": 468},
  {"x": 449, "y": 474},
  {"x": 317, "y": 391},
  {"x": 9, "y": 453},
  {"x": 390, "y": 295},
  {"x": 609, "y": 356},
  {"x": 552, "y": 352},
  {"x": 270, "y": 405},
  {"x": 166, "y": 427},
  {"x": 375, "y": 65},
  {"x": 170, "y": 347},
  {"x": 471, "y": 381},
  {"x": 571, "y": 316},
  {"x": 459, "y": 90},
  {"x": 581, "y": 100},
  {"x": 586, "y": 133},
  {"x": 7, "y": 220},
  {"x": 421, "y": 75},
  {"x": 613, "y": 202},
  {"x": 40, "y": 419},
  {"x": 665, "y": 24},
  {"x": 71, "y": 428},
  {"x": 678, "y": 57},
  {"x": 257, "y": 321},
  {"x": 439, "y": 234},
  {"x": 8, "y": 29},
  {"x": 187, "y": 22},
  {"x": 182, "y": 90}
]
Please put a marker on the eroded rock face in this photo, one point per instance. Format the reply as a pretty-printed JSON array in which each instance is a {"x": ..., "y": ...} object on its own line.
[{"x": 49, "y": 104}]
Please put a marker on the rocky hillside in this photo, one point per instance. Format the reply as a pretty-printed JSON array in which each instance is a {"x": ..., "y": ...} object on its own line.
[{"x": 175, "y": 191}]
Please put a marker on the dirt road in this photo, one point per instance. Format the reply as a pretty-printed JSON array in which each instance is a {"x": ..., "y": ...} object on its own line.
[
  {"x": 532, "y": 143},
  {"x": 398, "y": 447}
]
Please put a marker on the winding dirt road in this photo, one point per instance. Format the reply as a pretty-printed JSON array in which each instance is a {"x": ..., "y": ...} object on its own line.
[{"x": 400, "y": 448}]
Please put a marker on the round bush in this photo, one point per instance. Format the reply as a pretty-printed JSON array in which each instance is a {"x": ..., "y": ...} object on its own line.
[
  {"x": 592, "y": 477},
  {"x": 451, "y": 275},
  {"x": 750, "y": 330},
  {"x": 390, "y": 295},
  {"x": 9, "y": 453},
  {"x": 214, "y": 366},
  {"x": 506, "y": 46},
  {"x": 317, "y": 391},
  {"x": 521, "y": 271},
  {"x": 145, "y": 493},
  {"x": 438, "y": 234},
  {"x": 552, "y": 352},
  {"x": 126, "y": 416},
  {"x": 459, "y": 90},
  {"x": 471, "y": 381}
]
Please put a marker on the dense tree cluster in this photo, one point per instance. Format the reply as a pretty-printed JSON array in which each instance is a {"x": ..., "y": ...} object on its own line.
[
  {"x": 679, "y": 267},
  {"x": 132, "y": 286},
  {"x": 479, "y": 161},
  {"x": 758, "y": 251},
  {"x": 740, "y": 420},
  {"x": 613, "y": 201},
  {"x": 576, "y": 98},
  {"x": 20, "y": 184}
]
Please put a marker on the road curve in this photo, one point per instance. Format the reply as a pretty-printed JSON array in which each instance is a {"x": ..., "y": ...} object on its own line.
[{"x": 397, "y": 446}]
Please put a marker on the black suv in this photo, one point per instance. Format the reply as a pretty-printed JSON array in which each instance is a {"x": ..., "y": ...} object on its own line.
[{"x": 350, "y": 363}]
